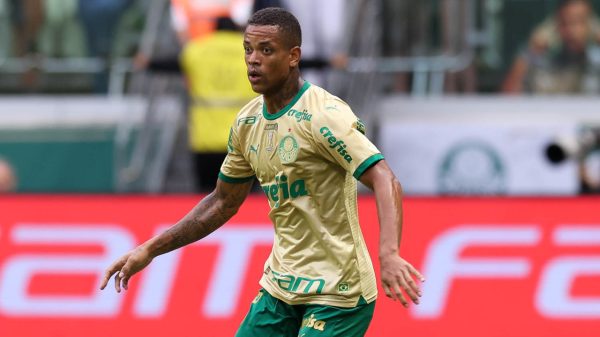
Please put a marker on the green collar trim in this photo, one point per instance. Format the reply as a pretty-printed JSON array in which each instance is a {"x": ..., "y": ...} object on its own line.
[{"x": 286, "y": 108}]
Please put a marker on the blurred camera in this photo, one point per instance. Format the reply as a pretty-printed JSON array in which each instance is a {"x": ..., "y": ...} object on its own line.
[{"x": 573, "y": 147}]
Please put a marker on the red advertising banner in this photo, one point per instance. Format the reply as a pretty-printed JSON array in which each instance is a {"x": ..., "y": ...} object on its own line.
[{"x": 494, "y": 267}]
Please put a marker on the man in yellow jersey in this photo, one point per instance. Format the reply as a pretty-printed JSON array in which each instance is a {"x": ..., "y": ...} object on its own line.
[{"x": 307, "y": 150}]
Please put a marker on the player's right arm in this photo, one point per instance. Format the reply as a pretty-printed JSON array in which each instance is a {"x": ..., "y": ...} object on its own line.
[{"x": 208, "y": 215}]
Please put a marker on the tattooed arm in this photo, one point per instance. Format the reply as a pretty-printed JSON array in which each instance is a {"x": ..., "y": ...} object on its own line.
[{"x": 208, "y": 215}]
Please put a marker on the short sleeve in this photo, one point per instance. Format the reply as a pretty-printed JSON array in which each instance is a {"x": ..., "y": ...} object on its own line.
[
  {"x": 235, "y": 168},
  {"x": 340, "y": 137}
]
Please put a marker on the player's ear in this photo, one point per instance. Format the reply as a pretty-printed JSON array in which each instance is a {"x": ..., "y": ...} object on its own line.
[{"x": 295, "y": 54}]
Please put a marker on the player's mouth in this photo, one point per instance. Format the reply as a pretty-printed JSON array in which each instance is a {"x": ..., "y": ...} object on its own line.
[{"x": 254, "y": 76}]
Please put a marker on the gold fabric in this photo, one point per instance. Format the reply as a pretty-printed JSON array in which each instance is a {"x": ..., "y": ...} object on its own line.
[{"x": 307, "y": 158}]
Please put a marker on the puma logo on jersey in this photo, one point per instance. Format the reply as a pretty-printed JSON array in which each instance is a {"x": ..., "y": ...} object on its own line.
[
  {"x": 253, "y": 148},
  {"x": 336, "y": 144}
]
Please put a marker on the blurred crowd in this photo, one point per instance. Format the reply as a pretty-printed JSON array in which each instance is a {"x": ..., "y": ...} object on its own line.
[
  {"x": 60, "y": 28},
  {"x": 562, "y": 55},
  {"x": 32, "y": 31},
  {"x": 554, "y": 43},
  {"x": 423, "y": 47}
]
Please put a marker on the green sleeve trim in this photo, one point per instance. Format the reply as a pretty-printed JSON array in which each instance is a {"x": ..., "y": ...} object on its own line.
[
  {"x": 234, "y": 180},
  {"x": 286, "y": 108},
  {"x": 372, "y": 160}
]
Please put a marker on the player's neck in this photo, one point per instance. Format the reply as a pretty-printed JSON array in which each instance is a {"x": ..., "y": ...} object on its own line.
[{"x": 278, "y": 100}]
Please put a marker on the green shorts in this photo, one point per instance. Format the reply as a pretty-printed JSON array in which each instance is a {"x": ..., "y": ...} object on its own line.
[{"x": 270, "y": 317}]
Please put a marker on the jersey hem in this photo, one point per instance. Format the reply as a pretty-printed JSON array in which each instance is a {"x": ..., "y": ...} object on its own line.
[
  {"x": 320, "y": 301},
  {"x": 286, "y": 108},
  {"x": 372, "y": 160},
  {"x": 233, "y": 180}
]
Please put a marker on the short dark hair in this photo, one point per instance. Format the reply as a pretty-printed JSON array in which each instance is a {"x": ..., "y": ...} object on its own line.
[{"x": 286, "y": 21}]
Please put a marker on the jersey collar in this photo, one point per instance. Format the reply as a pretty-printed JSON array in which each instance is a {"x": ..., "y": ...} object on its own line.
[{"x": 286, "y": 108}]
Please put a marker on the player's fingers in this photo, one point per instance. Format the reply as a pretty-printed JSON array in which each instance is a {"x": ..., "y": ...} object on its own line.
[
  {"x": 389, "y": 289},
  {"x": 107, "y": 275},
  {"x": 126, "y": 273},
  {"x": 409, "y": 291},
  {"x": 388, "y": 292},
  {"x": 415, "y": 272},
  {"x": 398, "y": 293},
  {"x": 118, "y": 279},
  {"x": 110, "y": 272},
  {"x": 411, "y": 283},
  {"x": 126, "y": 282}
]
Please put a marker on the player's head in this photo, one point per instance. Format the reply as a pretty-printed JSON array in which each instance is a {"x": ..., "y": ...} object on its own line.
[
  {"x": 272, "y": 48},
  {"x": 573, "y": 18}
]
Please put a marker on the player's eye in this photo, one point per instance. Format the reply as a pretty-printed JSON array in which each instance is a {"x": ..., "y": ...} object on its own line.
[
  {"x": 267, "y": 50},
  {"x": 247, "y": 50}
]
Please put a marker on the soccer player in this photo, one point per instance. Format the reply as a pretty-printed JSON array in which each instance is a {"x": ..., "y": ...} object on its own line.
[{"x": 307, "y": 150}]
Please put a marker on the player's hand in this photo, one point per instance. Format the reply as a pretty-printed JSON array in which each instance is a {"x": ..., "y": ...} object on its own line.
[
  {"x": 125, "y": 267},
  {"x": 397, "y": 274}
]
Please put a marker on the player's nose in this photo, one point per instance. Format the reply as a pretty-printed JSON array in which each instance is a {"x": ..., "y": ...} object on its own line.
[{"x": 253, "y": 58}]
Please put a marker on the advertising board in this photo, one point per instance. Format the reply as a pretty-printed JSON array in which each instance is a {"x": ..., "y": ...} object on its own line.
[{"x": 494, "y": 267}]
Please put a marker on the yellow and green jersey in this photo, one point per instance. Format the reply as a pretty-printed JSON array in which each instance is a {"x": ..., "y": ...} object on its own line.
[{"x": 307, "y": 158}]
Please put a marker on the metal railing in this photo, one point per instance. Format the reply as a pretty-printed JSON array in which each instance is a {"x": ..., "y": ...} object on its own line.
[
  {"x": 429, "y": 70},
  {"x": 117, "y": 69}
]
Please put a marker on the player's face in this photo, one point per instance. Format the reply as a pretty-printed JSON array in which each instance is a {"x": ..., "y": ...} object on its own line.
[
  {"x": 268, "y": 59},
  {"x": 574, "y": 25}
]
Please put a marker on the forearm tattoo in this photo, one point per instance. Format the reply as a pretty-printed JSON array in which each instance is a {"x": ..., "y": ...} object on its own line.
[{"x": 208, "y": 215}]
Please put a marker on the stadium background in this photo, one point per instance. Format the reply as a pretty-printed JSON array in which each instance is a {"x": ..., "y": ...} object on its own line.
[{"x": 509, "y": 242}]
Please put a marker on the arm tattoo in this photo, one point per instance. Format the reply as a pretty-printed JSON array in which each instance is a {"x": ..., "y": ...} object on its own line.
[{"x": 207, "y": 216}]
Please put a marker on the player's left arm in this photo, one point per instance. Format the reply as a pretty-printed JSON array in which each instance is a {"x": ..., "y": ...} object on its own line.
[{"x": 396, "y": 273}]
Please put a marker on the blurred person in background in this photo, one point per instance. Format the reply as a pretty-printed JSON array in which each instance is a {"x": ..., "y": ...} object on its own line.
[
  {"x": 455, "y": 33},
  {"x": 100, "y": 19},
  {"x": 563, "y": 55},
  {"x": 193, "y": 19},
  {"x": 215, "y": 76},
  {"x": 27, "y": 18},
  {"x": 323, "y": 37},
  {"x": 218, "y": 88},
  {"x": 8, "y": 179},
  {"x": 405, "y": 33},
  {"x": 6, "y": 32},
  {"x": 61, "y": 34}
]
